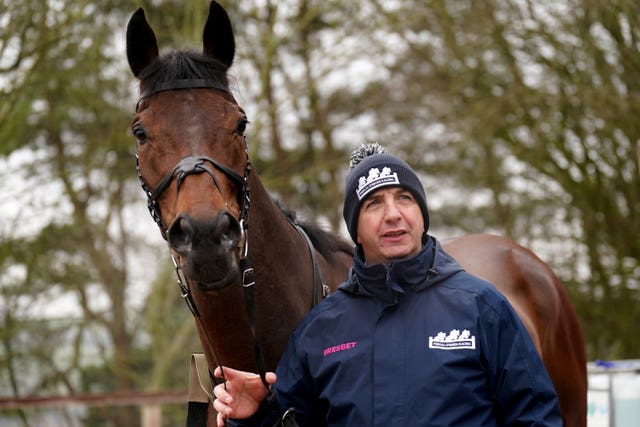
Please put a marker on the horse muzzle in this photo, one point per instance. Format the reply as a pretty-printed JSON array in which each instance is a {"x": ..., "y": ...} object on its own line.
[{"x": 207, "y": 249}]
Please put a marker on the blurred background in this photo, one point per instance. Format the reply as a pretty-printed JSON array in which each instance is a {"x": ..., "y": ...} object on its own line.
[{"x": 523, "y": 118}]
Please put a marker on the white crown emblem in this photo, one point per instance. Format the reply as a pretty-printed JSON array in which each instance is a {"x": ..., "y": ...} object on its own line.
[
  {"x": 376, "y": 179},
  {"x": 456, "y": 340}
]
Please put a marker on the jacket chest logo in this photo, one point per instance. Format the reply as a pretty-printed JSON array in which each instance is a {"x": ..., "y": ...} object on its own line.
[
  {"x": 338, "y": 348},
  {"x": 455, "y": 340}
]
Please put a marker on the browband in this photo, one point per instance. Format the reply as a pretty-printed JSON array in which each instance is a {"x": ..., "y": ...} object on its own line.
[{"x": 183, "y": 84}]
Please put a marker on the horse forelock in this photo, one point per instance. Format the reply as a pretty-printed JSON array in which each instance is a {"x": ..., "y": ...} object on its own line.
[{"x": 183, "y": 65}]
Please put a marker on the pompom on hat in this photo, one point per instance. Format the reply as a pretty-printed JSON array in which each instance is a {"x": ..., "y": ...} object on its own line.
[{"x": 371, "y": 168}]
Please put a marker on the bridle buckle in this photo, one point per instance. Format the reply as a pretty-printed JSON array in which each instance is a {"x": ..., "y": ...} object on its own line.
[{"x": 247, "y": 278}]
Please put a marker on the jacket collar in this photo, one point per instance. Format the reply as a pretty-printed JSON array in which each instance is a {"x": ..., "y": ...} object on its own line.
[
  {"x": 385, "y": 281},
  {"x": 428, "y": 267}
]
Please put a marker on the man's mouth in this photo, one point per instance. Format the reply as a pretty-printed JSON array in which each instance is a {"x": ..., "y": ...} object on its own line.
[{"x": 394, "y": 233}]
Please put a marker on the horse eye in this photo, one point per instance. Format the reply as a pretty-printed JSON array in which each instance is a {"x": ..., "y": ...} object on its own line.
[
  {"x": 242, "y": 126},
  {"x": 139, "y": 133}
]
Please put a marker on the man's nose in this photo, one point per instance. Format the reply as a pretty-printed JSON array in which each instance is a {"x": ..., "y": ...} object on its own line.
[{"x": 391, "y": 211}]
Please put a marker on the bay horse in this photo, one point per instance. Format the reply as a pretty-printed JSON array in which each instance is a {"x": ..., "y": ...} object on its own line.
[{"x": 226, "y": 233}]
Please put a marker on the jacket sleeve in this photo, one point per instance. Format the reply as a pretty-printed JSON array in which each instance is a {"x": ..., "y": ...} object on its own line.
[
  {"x": 293, "y": 393},
  {"x": 521, "y": 388},
  {"x": 295, "y": 386}
]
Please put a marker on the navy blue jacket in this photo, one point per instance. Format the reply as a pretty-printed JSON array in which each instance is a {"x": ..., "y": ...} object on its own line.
[{"x": 420, "y": 343}]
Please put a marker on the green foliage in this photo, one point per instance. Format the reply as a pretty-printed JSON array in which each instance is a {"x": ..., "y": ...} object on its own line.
[{"x": 539, "y": 109}]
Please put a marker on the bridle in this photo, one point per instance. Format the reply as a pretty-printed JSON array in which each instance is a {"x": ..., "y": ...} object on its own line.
[
  {"x": 198, "y": 164},
  {"x": 194, "y": 164}
]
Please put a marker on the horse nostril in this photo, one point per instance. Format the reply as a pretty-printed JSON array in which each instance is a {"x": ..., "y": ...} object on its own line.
[
  {"x": 180, "y": 233},
  {"x": 230, "y": 234}
]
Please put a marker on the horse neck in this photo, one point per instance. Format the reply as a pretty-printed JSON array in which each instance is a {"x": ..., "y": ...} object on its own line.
[{"x": 279, "y": 253}]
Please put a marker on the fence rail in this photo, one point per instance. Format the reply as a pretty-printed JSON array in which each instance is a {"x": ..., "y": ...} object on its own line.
[{"x": 127, "y": 398}]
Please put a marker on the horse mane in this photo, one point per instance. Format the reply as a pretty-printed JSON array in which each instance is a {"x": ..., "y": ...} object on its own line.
[
  {"x": 328, "y": 244},
  {"x": 183, "y": 65}
]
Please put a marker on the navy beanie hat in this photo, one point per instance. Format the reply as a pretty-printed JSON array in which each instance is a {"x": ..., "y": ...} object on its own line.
[{"x": 373, "y": 169}]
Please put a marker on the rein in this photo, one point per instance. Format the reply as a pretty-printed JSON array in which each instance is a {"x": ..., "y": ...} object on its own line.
[{"x": 197, "y": 164}]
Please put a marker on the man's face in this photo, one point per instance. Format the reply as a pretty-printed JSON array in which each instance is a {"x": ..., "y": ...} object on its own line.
[{"x": 390, "y": 225}]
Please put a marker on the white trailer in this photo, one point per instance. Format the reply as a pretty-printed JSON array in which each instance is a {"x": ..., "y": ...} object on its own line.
[{"x": 614, "y": 393}]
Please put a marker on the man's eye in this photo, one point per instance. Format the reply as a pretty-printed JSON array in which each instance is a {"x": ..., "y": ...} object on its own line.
[{"x": 372, "y": 202}]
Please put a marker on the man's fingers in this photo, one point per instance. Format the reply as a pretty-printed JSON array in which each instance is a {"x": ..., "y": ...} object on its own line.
[
  {"x": 220, "y": 369},
  {"x": 271, "y": 378},
  {"x": 220, "y": 419},
  {"x": 220, "y": 406},
  {"x": 229, "y": 373},
  {"x": 222, "y": 394},
  {"x": 233, "y": 374}
]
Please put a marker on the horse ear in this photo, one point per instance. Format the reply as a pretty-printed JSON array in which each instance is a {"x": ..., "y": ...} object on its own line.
[
  {"x": 142, "y": 46},
  {"x": 217, "y": 38}
]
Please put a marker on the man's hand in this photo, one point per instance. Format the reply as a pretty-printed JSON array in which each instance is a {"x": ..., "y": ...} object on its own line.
[{"x": 241, "y": 394}]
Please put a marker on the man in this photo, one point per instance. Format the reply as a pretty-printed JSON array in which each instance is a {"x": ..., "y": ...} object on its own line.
[{"x": 409, "y": 339}]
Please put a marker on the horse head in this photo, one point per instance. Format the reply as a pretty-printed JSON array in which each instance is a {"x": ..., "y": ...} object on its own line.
[{"x": 189, "y": 128}]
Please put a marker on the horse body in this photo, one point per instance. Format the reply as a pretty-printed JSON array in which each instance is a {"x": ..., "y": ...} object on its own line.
[{"x": 216, "y": 216}]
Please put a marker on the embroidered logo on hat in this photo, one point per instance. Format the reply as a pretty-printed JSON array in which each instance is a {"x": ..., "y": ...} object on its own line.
[
  {"x": 376, "y": 179},
  {"x": 456, "y": 340}
]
